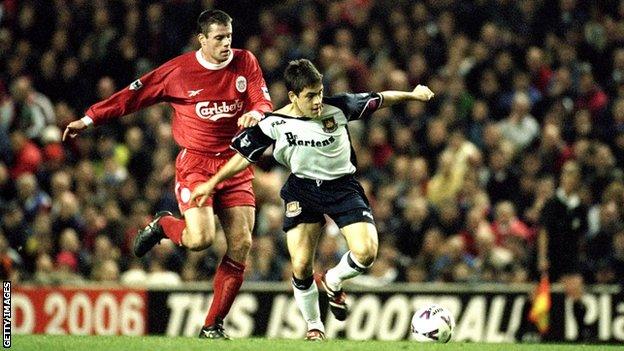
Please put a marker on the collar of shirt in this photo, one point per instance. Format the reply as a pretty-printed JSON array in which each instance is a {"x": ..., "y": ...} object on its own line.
[{"x": 213, "y": 66}]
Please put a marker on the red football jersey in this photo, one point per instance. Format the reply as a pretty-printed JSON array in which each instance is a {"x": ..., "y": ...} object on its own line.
[{"x": 207, "y": 98}]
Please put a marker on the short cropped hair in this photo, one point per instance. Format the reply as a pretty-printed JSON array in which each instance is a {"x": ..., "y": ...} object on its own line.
[
  {"x": 209, "y": 17},
  {"x": 301, "y": 74}
]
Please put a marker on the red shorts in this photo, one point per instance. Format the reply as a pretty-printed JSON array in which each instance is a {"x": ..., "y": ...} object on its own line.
[{"x": 193, "y": 169}]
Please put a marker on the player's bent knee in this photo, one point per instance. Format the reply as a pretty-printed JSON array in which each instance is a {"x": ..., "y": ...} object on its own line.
[
  {"x": 366, "y": 253},
  {"x": 302, "y": 268},
  {"x": 198, "y": 240},
  {"x": 366, "y": 259},
  {"x": 199, "y": 245}
]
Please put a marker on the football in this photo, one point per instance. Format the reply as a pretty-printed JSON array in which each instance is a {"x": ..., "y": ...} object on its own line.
[{"x": 432, "y": 323}]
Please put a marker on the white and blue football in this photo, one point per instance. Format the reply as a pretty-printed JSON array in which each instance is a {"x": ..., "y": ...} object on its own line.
[{"x": 433, "y": 323}]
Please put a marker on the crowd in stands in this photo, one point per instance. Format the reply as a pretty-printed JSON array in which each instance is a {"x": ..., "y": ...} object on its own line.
[{"x": 456, "y": 184}]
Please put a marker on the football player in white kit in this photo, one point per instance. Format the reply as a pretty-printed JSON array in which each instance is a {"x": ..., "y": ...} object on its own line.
[{"x": 311, "y": 139}]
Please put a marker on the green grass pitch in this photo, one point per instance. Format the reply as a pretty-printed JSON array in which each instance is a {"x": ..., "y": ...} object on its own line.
[{"x": 152, "y": 343}]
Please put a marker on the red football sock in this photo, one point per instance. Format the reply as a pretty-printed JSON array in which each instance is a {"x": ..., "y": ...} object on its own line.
[
  {"x": 173, "y": 228},
  {"x": 227, "y": 282}
]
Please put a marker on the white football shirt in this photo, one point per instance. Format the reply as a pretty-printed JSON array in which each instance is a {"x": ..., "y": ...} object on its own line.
[{"x": 312, "y": 148}]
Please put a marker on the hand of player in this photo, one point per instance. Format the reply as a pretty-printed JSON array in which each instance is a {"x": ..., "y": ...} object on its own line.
[
  {"x": 249, "y": 119},
  {"x": 423, "y": 93},
  {"x": 203, "y": 192},
  {"x": 74, "y": 128}
]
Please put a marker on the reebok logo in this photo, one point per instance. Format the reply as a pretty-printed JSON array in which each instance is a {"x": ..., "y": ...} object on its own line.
[
  {"x": 192, "y": 93},
  {"x": 367, "y": 214}
]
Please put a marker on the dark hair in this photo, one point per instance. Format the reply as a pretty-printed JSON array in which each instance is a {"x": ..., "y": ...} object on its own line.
[
  {"x": 301, "y": 74},
  {"x": 209, "y": 17}
]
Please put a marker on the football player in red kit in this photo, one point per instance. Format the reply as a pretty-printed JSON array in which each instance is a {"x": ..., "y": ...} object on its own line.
[{"x": 214, "y": 92}]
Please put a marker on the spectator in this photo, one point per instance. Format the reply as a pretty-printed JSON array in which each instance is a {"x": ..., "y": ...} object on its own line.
[
  {"x": 520, "y": 127},
  {"x": 501, "y": 178},
  {"x": 32, "y": 199},
  {"x": 592, "y": 97},
  {"x": 507, "y": 226},
  {"x": 447, "y": 181},
  {"x": 27, "y": 155},
  {"x": 70, "y": 249},
  {"x": 553, "y": 150},
  {"x": 13, "y": 222},
  {"x": 106, "y": 271},
  {"x": 66, "y": 213},
  {"x": 44, "y": 271},
  {"x": 454, "y": 264},
  {"x": 418, "y": 219},
  {"x": 26, "y": 110},
  {"x": 540, "y": 71}
]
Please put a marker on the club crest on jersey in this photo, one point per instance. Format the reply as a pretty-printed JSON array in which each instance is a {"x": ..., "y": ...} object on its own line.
[
  {"x": 241, "y": 84},
  {"x": 293, "y": 209},
  {"x": 329, "y": 125},
  {"x": 136, "y": 85}
]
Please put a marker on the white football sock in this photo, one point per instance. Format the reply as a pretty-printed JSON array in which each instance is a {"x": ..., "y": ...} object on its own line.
[
  {"x": 347, "y": 268},
  {"x": 307, "y": 301}
]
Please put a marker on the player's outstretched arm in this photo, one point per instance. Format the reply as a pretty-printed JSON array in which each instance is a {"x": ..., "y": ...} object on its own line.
[
  {"x": 236, "y": 164},
  {"x": 420, "y": 93}
]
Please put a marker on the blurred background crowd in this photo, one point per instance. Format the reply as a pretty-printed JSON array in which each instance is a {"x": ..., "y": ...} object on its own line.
[{"x": 457, "y": 185}]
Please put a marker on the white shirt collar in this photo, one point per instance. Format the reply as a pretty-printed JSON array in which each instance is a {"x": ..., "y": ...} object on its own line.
[
  {"x": 571, "y": 201},
  {"x": 213, "y": 66}
]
